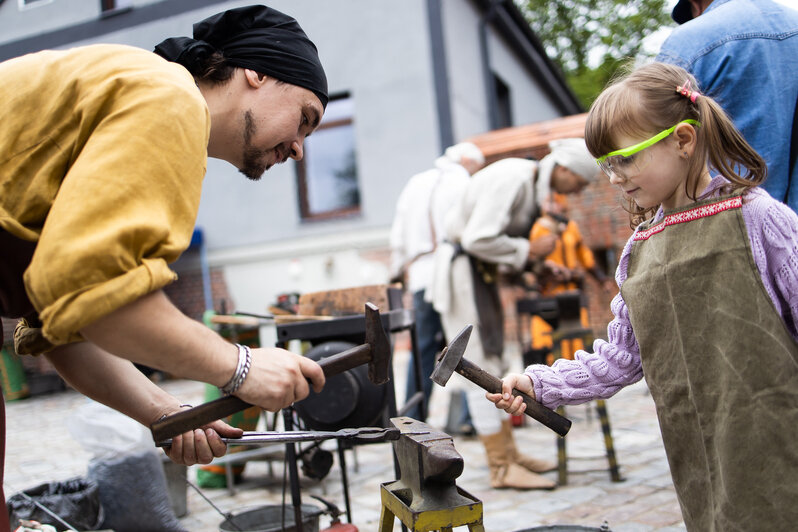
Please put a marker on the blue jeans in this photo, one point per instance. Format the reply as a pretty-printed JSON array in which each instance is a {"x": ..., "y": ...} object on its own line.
[{"x": 429, "y": 335}]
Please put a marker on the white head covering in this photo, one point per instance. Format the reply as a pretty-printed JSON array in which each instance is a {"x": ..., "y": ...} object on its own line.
[
  {"x": 455, "y": 154},
  {"x": 573, "y": 154},
  {"x": 569, "y": 153}
]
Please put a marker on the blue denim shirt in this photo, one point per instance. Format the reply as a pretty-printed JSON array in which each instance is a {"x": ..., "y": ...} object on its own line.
[{"x": 744, "y": 54}]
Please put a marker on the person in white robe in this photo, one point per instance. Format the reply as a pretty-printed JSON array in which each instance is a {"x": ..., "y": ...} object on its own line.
[{"x": 488, "y": 228}]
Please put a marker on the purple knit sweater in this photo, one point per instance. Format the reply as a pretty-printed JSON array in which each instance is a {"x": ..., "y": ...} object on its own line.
[{"x": 615, "y": 363}]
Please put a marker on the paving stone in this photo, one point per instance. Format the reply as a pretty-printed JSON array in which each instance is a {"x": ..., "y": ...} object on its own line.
[{"x": 40, "y": 449}]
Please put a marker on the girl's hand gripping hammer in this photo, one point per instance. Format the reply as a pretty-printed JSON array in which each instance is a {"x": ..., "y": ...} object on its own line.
[{"x": 451, "y": 360}]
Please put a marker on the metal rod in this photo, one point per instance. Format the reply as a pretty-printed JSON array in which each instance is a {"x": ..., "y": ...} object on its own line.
[
  {"x": 45, "y": 509},
  {"x": 345, "y": 481},
  {"x": 228, "y": 516},
  {"x": 290, "y": 457}
]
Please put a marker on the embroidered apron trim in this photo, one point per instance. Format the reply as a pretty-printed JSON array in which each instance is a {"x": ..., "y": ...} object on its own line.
[{"x": 689, "y": 215}]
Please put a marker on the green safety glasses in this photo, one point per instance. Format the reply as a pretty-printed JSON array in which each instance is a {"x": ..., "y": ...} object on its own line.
[{"x": 633, "y": 160}]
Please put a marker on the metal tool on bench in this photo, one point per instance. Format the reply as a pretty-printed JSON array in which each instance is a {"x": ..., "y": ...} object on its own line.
[
  {"x": 451, "y": 360},
  {"x": 376, "y": 352},
  {"x": 362, "y": 434}
]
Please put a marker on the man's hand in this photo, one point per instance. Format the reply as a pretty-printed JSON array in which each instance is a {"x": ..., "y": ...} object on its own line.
[
  {"x": 202, "y": 445},
  {"x": 118, "y": 384},
  {"x": 506, "y": 400},
  {"x": 151, "y": 331},
  {"x": 552, "y": 272},
  {"x": 279, "y": 378},
  {"x": 542, "y": 246}
]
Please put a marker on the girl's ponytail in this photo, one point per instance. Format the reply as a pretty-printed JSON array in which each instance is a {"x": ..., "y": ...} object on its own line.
[{"x": 727, "y": 151}]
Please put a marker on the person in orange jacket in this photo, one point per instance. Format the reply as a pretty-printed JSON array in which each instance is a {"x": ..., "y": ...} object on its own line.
[{"x": 568, "y": 263}]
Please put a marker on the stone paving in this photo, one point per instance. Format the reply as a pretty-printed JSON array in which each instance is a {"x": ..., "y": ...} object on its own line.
[{"x": 40, "y": 449}]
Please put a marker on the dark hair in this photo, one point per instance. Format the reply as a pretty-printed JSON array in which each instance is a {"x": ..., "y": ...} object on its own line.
[
  {"x": 201, "y": 59},
  {"x": 215, "y": 69},
  {"x": 645, "y": 101}
]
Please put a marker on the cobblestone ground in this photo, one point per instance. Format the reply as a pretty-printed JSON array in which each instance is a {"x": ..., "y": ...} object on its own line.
[{"x": 41, "y": 449}]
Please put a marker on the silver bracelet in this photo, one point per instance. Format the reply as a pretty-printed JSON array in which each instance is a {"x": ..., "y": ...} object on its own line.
[
  {"x": 167, "y": 415},
  {"x": 242, "y": 369}
]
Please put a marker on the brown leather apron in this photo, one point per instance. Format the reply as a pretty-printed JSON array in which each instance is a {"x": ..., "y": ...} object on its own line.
[{"x": 722, "y": 369}]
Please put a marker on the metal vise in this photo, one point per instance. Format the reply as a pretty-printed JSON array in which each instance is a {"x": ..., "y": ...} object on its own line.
[{"x": 429, "y": 465}]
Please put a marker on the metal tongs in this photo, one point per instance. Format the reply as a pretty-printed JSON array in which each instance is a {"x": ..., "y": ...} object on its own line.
[{"x": 362, "y": 434}]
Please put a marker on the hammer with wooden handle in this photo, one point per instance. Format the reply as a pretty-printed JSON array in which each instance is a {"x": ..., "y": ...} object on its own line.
[
  {"x": 451, "y": 360},
  {"x": 376, "y": 352}
]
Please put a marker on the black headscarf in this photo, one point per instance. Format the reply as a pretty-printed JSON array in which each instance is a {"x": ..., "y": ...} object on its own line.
[{"x": 255, "y": 37}]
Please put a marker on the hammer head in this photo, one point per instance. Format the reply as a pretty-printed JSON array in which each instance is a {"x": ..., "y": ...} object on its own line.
[
  {"x": 377, "y": 339},
  {"x": 451, "y": 356}
]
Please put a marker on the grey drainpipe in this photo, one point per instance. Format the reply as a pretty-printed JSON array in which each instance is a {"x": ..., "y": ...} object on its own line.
[
  {"x": 439, "y": 74},
  {"x": 487, "y": 71}
]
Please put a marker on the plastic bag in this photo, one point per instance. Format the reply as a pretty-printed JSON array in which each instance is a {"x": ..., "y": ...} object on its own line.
[
  {"x": 34, "y": 526},
  {"x": 76, "y": 501},
  {"x": 106, "y": 433}
]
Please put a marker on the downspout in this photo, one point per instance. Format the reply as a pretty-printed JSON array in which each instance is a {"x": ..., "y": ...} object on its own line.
[
  {"x": 206, "y": 276},
  {"x": 198, "y": 239},
  {"x": 487, "y": 70},
  {"x": 440, "y": 77}
]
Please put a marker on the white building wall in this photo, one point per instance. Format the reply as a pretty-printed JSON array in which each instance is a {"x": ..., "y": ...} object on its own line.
[
  {"x": 377, "y": 51},
  {"x": 464, "y": 69},
  {"x": 529, "y": 103},
  {"x": 19, "y": 20}
]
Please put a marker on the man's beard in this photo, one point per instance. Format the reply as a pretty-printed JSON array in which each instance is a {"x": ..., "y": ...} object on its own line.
[{"x": 252, "y": 166}]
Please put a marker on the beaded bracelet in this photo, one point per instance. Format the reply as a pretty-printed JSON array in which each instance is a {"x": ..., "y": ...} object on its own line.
[{"x": 242, "y": 369}]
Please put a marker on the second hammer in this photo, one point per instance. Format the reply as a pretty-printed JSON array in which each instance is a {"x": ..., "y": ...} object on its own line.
[{"x": 376, "y": 352}]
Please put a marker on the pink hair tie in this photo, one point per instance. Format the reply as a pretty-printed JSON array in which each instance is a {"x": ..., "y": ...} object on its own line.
[{"x": 687, "y": 91}]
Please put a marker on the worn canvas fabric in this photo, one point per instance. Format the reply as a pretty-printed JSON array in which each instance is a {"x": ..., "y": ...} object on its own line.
[
  {"x": 106, "y": 180},
  {"x": 721, "y": 366}
]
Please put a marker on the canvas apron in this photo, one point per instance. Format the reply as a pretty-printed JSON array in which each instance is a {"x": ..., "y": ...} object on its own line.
[{"x": 722, "y": 369}]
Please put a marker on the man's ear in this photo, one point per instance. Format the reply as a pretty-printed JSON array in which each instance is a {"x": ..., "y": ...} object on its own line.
[
  {"x": 686, "y": 138},
  {"x": 699, "y": 6},
  {"x": 254, "y": 79}
]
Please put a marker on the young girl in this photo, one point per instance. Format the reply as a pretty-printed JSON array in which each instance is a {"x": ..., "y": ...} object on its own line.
[{"x": 708, "y": 304}]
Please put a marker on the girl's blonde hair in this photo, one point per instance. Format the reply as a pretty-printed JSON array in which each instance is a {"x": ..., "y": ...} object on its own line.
[{"x": 645, "y": 102}]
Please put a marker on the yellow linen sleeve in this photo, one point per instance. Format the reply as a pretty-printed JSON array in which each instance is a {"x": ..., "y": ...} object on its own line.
[{"x": 126, "y": 207}]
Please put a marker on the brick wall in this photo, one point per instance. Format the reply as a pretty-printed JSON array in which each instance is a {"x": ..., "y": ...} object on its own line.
[{"x": 187, "y": 293}]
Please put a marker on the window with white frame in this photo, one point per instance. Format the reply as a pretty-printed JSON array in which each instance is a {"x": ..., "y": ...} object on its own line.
[
  {"x": 108, "y": 6},
  {"x": 25, "y": 4},
  {"x": 327, "y": 180}
]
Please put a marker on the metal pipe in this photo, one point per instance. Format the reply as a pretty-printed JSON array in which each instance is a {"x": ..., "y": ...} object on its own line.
[
  {"x": 487, "y": 70},
  {"x": 439, "y": 77}
]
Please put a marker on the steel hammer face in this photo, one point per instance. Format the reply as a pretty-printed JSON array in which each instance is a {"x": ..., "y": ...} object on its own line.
[
  {"x": 380, "y": 346},
  {"x": 451, "y": 356}
]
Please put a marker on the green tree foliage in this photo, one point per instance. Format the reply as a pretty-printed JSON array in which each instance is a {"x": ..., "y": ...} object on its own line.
[{"x": 591, "y": 39}]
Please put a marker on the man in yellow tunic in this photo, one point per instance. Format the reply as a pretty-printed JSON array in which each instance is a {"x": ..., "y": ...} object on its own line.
[{"x": 102, "y": 155}]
